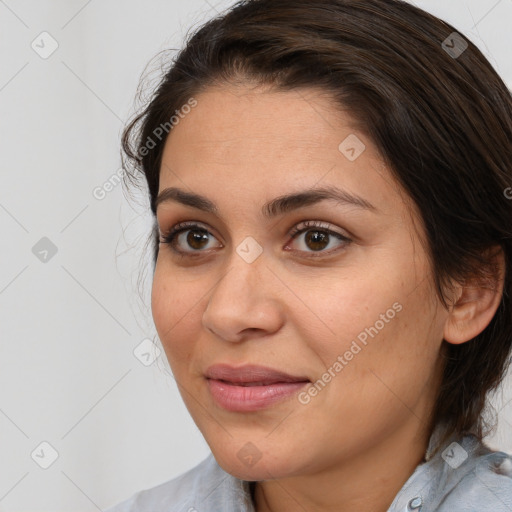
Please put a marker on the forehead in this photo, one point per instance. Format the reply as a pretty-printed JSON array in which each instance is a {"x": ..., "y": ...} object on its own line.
[
  {"x": 243, "y": 118},
  {"x": 273, "y": 143}
]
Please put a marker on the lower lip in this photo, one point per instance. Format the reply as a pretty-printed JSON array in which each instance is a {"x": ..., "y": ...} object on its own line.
[{"x": 251, "y": 398}]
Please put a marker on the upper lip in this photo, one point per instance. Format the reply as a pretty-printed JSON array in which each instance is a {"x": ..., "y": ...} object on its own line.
[{"x": 250, "y": 373}]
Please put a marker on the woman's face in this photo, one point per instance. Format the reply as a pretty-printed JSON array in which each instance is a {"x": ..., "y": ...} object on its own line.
[{"x": 357, "y": 317}]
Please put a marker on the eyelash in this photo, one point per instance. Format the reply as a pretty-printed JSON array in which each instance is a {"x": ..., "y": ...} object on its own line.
[{"x": 170, "y": 236}]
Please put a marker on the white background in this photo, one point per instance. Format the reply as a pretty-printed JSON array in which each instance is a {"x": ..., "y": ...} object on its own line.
[{"x": 69, "y": 326}]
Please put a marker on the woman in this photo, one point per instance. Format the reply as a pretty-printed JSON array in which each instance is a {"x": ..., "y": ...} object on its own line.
[{"x": 332, "y": 251}]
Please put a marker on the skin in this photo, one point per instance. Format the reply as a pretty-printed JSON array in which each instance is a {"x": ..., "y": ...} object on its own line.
[{"x": 355, "y": 444}]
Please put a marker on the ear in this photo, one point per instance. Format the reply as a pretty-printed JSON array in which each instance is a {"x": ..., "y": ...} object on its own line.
[{"x": 476, "y": 301}]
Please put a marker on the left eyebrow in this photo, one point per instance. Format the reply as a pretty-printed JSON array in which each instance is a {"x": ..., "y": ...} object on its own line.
[{"x": 278, "y": 206}]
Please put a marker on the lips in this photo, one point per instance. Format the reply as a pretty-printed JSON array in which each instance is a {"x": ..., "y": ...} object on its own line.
[
  {"x": 251, "y": 388},
  {"x": 251, "y": 375}
]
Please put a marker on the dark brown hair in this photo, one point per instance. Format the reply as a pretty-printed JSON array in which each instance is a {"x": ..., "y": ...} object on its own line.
[{"x": 437, "y": 111}]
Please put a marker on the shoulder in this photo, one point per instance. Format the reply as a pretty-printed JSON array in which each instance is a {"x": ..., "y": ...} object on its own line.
[
  {"x": 486, "y": 487},
  {"x": 204, "y": 487},
  {"x": 461, "y": 475}
]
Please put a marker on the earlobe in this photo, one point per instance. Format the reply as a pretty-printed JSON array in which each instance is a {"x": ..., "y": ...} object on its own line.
[{"x": 476, "y": 304}]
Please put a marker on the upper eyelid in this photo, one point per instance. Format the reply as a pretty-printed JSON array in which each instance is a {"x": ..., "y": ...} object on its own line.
[
  {"x": 297, "y": 229},
  {"x": 304, "y": 225},
  {"x": 190, "y": 224},
  {"x": 186, "y": 225}
]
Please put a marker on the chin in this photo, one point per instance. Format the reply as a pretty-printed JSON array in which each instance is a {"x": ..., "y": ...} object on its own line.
[{"x": 247, "y": 463}]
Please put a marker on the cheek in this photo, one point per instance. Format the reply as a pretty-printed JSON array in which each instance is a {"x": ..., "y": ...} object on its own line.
[
  {"x": 175, "y": 311},
  {"x": 342, "y": 310},
  {"x": 375, "y": 325}
]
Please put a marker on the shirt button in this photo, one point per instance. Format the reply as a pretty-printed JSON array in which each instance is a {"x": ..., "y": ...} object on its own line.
[
  {"x": 504, "y": 466},
  {"x": 415, "y": 504}
]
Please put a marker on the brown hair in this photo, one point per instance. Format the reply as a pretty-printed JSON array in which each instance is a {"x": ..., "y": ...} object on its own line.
[{"x": 438, "y": 112}]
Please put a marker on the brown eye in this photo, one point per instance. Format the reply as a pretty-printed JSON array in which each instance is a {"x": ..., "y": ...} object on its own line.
[
  {"x": 188, "y": 236},
  {"x": 317, "y": 238},
  {"x": 196, "y": 239}
]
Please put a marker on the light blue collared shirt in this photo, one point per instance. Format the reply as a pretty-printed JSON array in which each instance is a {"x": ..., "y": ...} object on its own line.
[{"x": 464, "y": 476}]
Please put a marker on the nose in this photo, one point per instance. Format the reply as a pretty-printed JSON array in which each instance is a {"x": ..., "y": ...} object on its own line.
[{"x": 245, "y": 301}]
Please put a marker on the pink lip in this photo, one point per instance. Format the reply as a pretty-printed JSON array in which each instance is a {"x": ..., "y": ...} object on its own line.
[
  {"x": 250, "y": 373},
  {"x": 250, "y": 388}
]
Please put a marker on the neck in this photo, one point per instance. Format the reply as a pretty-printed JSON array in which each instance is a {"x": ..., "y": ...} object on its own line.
[{"x": 367, "y": 482}]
